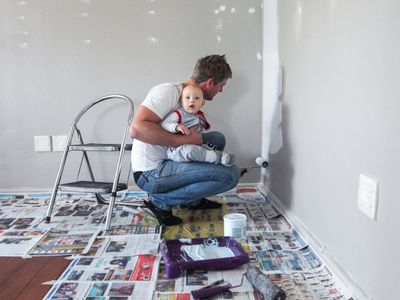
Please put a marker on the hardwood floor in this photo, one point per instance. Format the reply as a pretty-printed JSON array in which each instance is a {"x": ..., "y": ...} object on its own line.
[{"x": 22, "y": 278}]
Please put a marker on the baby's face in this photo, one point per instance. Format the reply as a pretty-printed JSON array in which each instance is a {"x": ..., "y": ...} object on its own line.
[{"x": 192, "y": 99}]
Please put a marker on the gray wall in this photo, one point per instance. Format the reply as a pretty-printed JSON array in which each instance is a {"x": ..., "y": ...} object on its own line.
[
  {"x": 340, "y": 119},
  {"x": 57, "y": 56}
]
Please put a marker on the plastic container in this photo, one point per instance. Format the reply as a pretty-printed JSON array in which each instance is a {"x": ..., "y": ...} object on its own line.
[{"x": 235, "y": 226}]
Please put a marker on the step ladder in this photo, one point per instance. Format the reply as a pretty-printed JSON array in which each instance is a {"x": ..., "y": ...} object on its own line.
[{"x": 93, "y": 186}]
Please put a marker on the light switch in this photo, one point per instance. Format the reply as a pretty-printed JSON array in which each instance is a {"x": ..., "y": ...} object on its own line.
[{"x": 368, "y": 196}]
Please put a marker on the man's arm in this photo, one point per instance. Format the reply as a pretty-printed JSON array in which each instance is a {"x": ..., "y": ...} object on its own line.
[{"x": 145, "y": 127}]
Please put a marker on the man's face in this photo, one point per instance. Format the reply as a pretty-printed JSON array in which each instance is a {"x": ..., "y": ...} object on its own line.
[{"x": 211, "y": 89}]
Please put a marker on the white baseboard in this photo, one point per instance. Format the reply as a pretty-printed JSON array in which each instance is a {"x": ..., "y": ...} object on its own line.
[
  {"x": 317, "y": 246},
  {"x": 19, "y": 190}
]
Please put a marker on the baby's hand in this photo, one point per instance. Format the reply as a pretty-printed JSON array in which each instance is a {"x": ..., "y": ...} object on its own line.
[{"x": 182, "y": 129}]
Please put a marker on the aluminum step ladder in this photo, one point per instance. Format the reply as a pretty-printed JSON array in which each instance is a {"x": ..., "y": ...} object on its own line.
[{"x": 93, "y": 186}]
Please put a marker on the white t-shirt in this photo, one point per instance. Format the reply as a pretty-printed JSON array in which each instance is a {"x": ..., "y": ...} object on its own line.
[{"x": 162, "y": 100}]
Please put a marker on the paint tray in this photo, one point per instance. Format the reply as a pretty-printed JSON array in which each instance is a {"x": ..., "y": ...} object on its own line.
[{"x": 222, "y": 253}]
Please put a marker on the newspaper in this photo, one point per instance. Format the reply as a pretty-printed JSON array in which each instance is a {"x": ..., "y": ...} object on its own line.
[
  {"x": 195, "y": 279},
  {"x": 197, "y": 223},
  {"x": 63, "y": 242},
  {"x": 123, "y": 262},
  {"x": 115, "y": 268},
  {"x": 131, "y": 215},
  {"x": 119, "y": 276},
  {"x": 316, "y": 284},
  {"x": 261, "y": 241},
  {"x": 100, "y": 290},
  {"x": 130, "y": 245},
  {"x": 134, "y": 229},
  {"x": 107, "y": 246},
  {"x": 286, "y": 261},
  {"x": 226, "y": 295}
]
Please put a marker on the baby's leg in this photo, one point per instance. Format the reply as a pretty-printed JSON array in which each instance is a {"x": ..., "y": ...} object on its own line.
[{"x": 187, "y": 153}]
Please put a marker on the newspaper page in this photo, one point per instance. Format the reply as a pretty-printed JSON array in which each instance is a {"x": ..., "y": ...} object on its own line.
[
  {"x": 18, "y": 242},
  {"x": 132, "y": 277},
  {"x": 131, "y": 215},
  {"x": 286, "y": 261},
  {"x": 133, "y": 229},
  {"x": 130, "y": 245},
  {"x": 251, "y": 197},
  {"x": 283, "y": 241},
  {"x": 315, "y": 284},
  {"x": 196, "y": 279},
  {"x": 63, "y": 242},
  {"x": 197, "y": 223}
]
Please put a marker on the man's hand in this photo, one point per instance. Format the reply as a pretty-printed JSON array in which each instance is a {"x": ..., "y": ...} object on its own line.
[{"x": 196, "y": 138}]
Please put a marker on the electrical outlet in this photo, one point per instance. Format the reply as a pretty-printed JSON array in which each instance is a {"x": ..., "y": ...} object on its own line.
[
  {"x": 42, "y": 143},
  {"x": 368, "y": 196},
  {"x": 59, "y": 142}
]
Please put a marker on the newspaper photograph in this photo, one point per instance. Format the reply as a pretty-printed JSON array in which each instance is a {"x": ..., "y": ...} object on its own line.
[
  {"x": 286, "y": 261},
  {"x": 62, "y": 242},
  {"x": 18, "y": 242},
  {"x": 197, "y": 279},
  {"x": 130, "y": 245},
  {"x": 118, "y": 268},
  {"x": 132, "y": 277},
  {"x": 197, "y": 223},
  {"x": 133, "y": 229}
]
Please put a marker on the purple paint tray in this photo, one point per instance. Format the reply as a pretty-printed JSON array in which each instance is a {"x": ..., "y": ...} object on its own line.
[{"x": 177, "y": 259}]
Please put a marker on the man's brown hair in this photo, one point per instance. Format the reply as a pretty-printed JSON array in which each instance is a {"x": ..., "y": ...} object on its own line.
[{"x": 211, "y": 66}]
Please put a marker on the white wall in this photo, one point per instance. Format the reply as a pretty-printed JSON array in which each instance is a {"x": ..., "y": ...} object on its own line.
[
  {"x": 340, "y": 119},
  {"x": 57, "y": 56}
]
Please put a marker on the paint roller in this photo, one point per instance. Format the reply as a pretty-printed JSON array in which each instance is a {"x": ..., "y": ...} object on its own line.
[
  {"x": 264, "y": 285},
  {"x": 260, "y": 163},
  {"x": 255, "y": 276}
]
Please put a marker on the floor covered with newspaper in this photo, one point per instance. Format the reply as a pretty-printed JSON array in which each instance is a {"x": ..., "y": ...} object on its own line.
[{"x": 124, "y": 262}]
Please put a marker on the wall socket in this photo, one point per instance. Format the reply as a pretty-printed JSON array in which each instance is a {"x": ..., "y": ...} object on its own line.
[
  {"x": 58, "y": 142},
  {"x": 368, "y": 193},
  {"x": 42, "y": 143}
]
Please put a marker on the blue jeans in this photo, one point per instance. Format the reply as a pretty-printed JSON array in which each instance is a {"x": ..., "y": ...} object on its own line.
[{"x": 174, "y": 183}]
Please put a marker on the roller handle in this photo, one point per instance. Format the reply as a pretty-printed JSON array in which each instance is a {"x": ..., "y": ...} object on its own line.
[{"x": 210, "y": 291}]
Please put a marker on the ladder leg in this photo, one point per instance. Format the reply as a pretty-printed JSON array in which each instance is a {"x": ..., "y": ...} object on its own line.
[
  {"x": 116, "y": 178},
  {"x": 59, "y": 175},
  {"x": 110, "y": 210},
  {"x": 55, "y": 188}
]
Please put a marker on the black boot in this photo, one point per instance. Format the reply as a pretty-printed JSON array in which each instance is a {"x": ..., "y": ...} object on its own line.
[
  {"x": 164, "y": 217},
  {"x": 204, "y": 204}
]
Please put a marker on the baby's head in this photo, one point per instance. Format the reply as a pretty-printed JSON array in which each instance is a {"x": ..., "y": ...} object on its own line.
[{"x": 192, "y": 99}]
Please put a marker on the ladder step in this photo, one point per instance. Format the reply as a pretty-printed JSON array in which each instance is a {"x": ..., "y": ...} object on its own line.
[
  {"x": 90, "y": 187},
  {"x": 98, "y": 147}
]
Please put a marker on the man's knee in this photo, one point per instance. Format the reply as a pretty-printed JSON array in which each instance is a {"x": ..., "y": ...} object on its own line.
[
  {"x": 215, "y": 140},
  {"x": 234, "y": 172}
]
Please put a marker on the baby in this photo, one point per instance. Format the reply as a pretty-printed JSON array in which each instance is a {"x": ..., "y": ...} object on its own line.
[{"x": 187, "y": 115}]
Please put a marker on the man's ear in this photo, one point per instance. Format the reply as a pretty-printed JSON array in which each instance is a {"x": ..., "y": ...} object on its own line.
[{"x": 210, "y": 82}]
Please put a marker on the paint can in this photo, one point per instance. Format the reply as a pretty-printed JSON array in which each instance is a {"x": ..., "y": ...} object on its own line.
[{"x": 235, "y": 226}]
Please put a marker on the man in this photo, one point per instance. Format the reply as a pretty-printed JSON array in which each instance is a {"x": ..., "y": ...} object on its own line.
[{"x": 172, "y": 183}]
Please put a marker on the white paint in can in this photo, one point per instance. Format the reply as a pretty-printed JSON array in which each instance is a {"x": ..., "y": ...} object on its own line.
[{"x": 235, "y": 226}]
